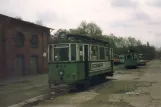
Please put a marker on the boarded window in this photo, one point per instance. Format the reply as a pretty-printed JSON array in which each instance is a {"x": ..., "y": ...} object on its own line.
[
  {"x": 102, "y": 53},
  {"x": 33, "y": 65},
  {"x": 19, "y": 39},
  {"x": 19, "y": 66},
  {"x": 34, "y": 41}
]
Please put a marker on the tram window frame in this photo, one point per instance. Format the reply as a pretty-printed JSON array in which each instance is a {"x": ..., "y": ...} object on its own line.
[
  {"x": 81, "y": 56},
  {"x": 134, "y": 56},
  {"x": 125, "y": 56},
  {"x": 96, "y": 55},
  {"x": 101, "y": 54},
  {"x": 50, "y": 55},
  {"x": 89, "y": 55},
  {"x": 66, "y": 45},
  {"x": 73, "y": 51},
  {"x": 111, "y": 54},
  {"x": 129, "y": 56},
  {"x": 107, "y": 53}
]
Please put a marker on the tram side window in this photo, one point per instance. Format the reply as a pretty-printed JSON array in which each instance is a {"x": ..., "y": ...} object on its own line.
[
  {"x": 50, "y": 52},
  {"x": 94, "y": 54},
  {"x": 73, "y": 52},
  {"x": 134, "y": 56},
  {"x": 129, "y": 56},
  {"x": 125, "y": 56},
  {"x": 107, "y": 54},
  {"x": 81, "y": 52},
  {"x": 102, "y": 53},
  {"x": 61, "y": 54},
  {"x": 140, "y": 57}
]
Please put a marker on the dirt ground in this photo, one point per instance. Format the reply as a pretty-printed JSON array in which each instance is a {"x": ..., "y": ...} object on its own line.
[
  {"x": 139, "y": 87},
  {"x": 13, "y": 91}
]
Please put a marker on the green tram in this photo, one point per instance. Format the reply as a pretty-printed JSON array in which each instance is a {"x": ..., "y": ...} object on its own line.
[
  {"x": 121, "y": 59},
  {"x": 142, "y": 59},
  {"x": 76, "y": 60},
  {"x": 131, "y": 59}
]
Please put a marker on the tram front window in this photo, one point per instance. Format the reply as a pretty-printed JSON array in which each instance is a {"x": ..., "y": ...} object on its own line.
[
  {"x": 141, "y": 57},
  {"x": 61, "y": 54},
  {"x": 129, "y": 57}
]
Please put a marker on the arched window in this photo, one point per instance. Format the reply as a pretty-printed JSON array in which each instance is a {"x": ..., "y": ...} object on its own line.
[
  {"x": 19, "y": 39},
  {"x": 34, "y": 41}
]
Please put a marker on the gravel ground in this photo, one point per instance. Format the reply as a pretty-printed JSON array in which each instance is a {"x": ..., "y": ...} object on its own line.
[
  {"x": 16, "y": 90},
  {"x": 128, "y": 88}
]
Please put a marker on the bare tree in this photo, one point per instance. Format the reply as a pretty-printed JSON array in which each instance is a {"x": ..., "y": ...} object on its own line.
[
  {"x": 39, "y": 22},
  {"x": 90, "y": 29},
  {"x": 56, "y": 34},
  {"x": 18, "y": 17}
]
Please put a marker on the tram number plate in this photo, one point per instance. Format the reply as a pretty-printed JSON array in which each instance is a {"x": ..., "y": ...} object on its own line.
[{"x": 98, "y": 65}]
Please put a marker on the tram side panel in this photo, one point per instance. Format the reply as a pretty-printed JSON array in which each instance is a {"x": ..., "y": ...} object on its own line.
[
  {"x": 73, "y": 72},
  {"x": 131, "y": 60},
  {"x": 99, "y": 68},
  {"x": 65, "y": 73}
]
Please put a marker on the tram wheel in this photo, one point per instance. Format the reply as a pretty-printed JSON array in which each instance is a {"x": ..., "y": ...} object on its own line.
[
  {"x": 127, "y": 67},
  {"x": 103, "y": 78},
  {"x": 84, "y": 85}
]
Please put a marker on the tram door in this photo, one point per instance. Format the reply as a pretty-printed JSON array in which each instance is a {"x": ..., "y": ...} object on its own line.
[
  {"x": 86, "y": 65},
  {"x": 111, "y": 59},
  {"x": 111, "y": 54}
]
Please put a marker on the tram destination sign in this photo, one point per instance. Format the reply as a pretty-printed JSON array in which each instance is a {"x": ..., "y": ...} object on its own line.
[{"x": 99, "y": 65}]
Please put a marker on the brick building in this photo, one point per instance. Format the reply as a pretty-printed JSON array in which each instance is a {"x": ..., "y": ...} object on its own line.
[{"x": 22, "y": 45}]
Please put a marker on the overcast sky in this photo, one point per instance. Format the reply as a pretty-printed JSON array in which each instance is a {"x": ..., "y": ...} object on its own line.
[{"x": 136, "y": 18}]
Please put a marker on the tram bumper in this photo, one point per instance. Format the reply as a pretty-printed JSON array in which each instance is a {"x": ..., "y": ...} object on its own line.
[
  {"x": 53, "y": 86},
  {"x": 110, "y": 74},
  {"x": 142, "y": 63},
  {"x": 56, "y": 85}
]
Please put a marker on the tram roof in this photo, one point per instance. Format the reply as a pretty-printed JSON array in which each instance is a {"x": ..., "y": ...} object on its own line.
[
  {"x": 130, "y": 51},
  {"x": 82, "y": 39},
  {"x": 87, "y": 38}
]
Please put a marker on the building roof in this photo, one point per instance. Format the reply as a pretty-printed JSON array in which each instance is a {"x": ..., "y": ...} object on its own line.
[{"x": 22, "y": 21}]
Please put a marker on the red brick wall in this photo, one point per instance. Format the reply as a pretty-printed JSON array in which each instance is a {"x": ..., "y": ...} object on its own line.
[
  {"x": 45, "y": 62},
  {"x": 1, "y": 52},
  {"x": 27, "y": 51}
]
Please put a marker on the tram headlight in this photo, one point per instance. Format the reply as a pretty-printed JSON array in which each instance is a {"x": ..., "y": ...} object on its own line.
[
  {"x": 61, "y": 72},
  {"x": 73, "y": 75}
]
